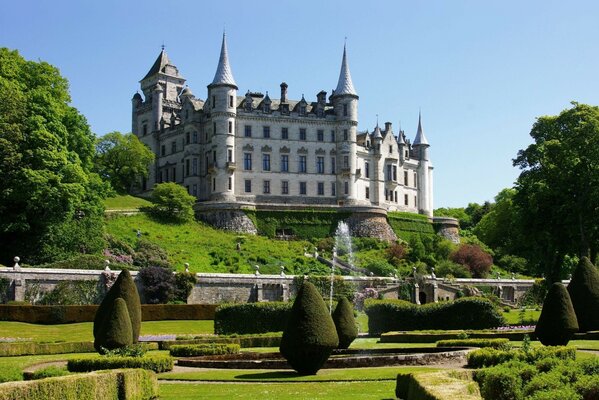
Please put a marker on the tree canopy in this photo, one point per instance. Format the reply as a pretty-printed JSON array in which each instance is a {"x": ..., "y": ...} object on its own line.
[
  {"x": 50, "y": 201},
  {"x": 122, "y": 160}
]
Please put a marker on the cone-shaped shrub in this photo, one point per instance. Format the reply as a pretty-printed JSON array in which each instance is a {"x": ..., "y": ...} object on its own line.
[
  {"x": 118, "y": 331},
  {"x": 345, "y": 323},
  {"x": 558, "y": 321},
  {"x": 584, "y": 292},
  {"x": 125, "y": 288},
  {"x": 310, "y": 336}
]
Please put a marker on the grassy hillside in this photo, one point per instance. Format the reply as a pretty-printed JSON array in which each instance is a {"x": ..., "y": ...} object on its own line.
[
  {"x": 210, "y": 250},
  {"x": 125, "y": 203}
]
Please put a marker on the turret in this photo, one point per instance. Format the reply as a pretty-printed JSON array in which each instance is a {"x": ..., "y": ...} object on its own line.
[
  {"x": 401, "y": 145},
  {"x": 424, "y": 173},
  {"x": 222, "y": 97},
  {"x": 136, "y": 102},
  {"x": 157, "y": 93},
  {"x": 345, "y": 98},
  {"x": 284, "y": 87},
  {"x": 420, "y": 143}
]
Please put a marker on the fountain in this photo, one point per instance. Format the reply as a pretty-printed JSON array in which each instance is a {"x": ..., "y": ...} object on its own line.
[{"x": 343, "y": 245}]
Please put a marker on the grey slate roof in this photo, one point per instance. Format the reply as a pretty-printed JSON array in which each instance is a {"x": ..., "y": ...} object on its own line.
[
  {"x": 420, "y": 139},
  {"x": 345, "y": 84},
  {"x": 158, "y": 65},
  {"x": 224, "y": 75}
]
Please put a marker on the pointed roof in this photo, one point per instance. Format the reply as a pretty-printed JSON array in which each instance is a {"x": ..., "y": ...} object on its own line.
[
  {"x": 420, "y": 139},
  {"x": 159, "y": 64},
  {"x": 377, "y": 132},
  {"x": 345, "y": 84},
  {"x": 223, "y": 75}
]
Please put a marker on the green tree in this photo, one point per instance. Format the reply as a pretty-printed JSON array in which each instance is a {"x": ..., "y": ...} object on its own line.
[
  {"x": 457, "y": 213},
  {"x": 584, "y": 292},
  {"x": 172, "y": 202},
  {"x": 50, "y": 201},
  {"x": 122, "y": 160},
  {"x": 345, "y": 323},
  {"x": 558, "y": 188},
  {"x": 557, "y": 322},
  {"x": 118, "y": 329}
]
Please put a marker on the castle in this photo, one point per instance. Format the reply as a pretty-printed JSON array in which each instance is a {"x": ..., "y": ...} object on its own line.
[{"x": 254, "y": 150}]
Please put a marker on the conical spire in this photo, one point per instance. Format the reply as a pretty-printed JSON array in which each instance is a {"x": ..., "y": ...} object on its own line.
[
  {"x": 158, "y": 66},
  {"x": 420, "y": 138},
  {"x": 345, "y": 84},
  {"x": 223, "y": 75},
  {"x": 377, "y": 132}
]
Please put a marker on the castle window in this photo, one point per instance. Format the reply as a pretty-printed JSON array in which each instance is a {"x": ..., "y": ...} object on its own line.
[
  {"x": 345, "y": 110},
  {"x": 166, "y": 174},
  {"x": 187, "y": 167},
  {"x": 367, "y": 169},
  {"x": 405, "y": 179},
  {"x": 187, "y": 137},
  {"x": 333, "y": 165},
  {"x": 266, "y": 187},
  {"x": 163, "y": 150},
  {"x": 194, "y": 137},
  {"x": 345, "y": 162},
  {"x": 248, "y": 131},
  {"x": 333, "y": 188},
  {"x": 367, "y": 193},
  {"x": 320, "y": 165},
  {"x": 415, "y": 202},
  {"x": 145, "y": 129},
  {"x": 386, "y": 195},
  {"x": 389, "y": 176},
  {"x": 266, "y": 132},
  {"x": 174, "y": 174},
  {"x": 302, "y": 134},
  {"x": 332, "y": 136},
  {"x": 266, "y": 107},
  {"x": 161, "y": 177},
  {"x": 248, "y": 186},
  {"x": 213, "y": 101},
  {"x": 345, "y": 134},
  {"x": 266, "y": 162},
  {"x": 188, "y": 189},
  {"x": 230, "y": 155},
  {"x": 302, "y": 188},
  {"x": 320, "y": 188},
  {"x": 194, "y": 190},
  {"x": 247, "y": 161},
  {"x": 284, "y": 187},
  {"x": 284, "y": 163},
  {"x": 320, "y": 135},
  {"x": 284, "y": 133},
  {"x": 302, "y": 110},
  {"x": 395, "y": 173},
  {"x": 231, "y": 101},
  {"x": 390, "y": 149},
  {"x": 195, "y": 166},
  {"x": 214, "y": 184},
  {"x": 415, "y": 180},
  {"x": 346, "y": 187},
  {"x": 230, "y": 183},
  {"x": 405, "y": 199},
  {"x": 395, "y": 196},
  {"x": 214, "y": 156},
  {"x": 302, "y": 164},
  {"x": 407, "y": 154},
  {"x": 230, "y": 126}
]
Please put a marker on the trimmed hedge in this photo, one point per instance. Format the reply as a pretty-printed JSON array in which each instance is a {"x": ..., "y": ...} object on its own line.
[
  {"x": 407, "y": 387},
  {"x": 439, "y": 385},
  {"x": 205, "y": 349},
  {"x": 399, "y": 315},
  {"x": 32, "y": 348},
  {"x": 493, "y": 343},
  {"x": 488, "y": 357},
  {"x": 305, "y": 224},
  {"x": 557, "y": 322},
  {"x": 85, "y": 313},
  {"x": 434, "y": 336},
  {"x": 133, "y": 384},
  {"x": 157, "y": 363},
  {"x": 271, "y": 339},
  {"x": 251, "y": 318}
]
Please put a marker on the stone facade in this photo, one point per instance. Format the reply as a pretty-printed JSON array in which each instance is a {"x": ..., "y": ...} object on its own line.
[{"x": 260, "y": 150}]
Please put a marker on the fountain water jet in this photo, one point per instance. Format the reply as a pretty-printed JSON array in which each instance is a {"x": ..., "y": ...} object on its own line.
[{"x": 343, "y": 246}]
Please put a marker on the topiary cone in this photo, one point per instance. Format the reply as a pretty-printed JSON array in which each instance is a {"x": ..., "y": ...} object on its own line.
[
  {"x": 557, "y": 322},
  {"x": 310, "y": 336},
  {"x": 584, "y": 292},
  {"x": 118, "y": 330},
  {"x": 125, "y": 288},
  {"x": 345, "y": 323}
]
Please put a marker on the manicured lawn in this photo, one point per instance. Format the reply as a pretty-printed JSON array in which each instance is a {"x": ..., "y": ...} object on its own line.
[
  {"x": 83, "y": 331},
  {"x": 11, "y": 368},
  {"x": 125, "y": 203},
  {"x": 276, "y": 391},
  {"x": 515, "y": 317}
]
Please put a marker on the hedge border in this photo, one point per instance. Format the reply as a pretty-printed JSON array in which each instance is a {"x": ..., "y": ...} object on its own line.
[
  {"x": 421, "y": 386},
  {"x": 157, "y": 363},
  {"x": 408, "y": 337},
  {"x": 244, "y": 341},
  {"x": 205, "y": 349}
]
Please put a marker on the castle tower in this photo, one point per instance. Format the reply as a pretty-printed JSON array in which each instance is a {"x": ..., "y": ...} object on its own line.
[
  {"x": 378, "y": 186},
  {"x": 425, "y": 171},
  {"x": 345, "y": 103},
  {"x": 222, "y": 99}
]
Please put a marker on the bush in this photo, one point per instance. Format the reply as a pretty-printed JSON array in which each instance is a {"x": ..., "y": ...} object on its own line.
[
  {"x": 564, "y": 393},
  {"x": 446, "y": 268},
  {"x": 584, "y": 293},
  {"x": 184, "y": 283},
  {"x": 33, "y": 348},
  {"x": 148, "y": 254},
  {"x": 488, "y": 357},
  {"x": 251, "y": 318},
  {"x": 500, "y": 383},
  {"x": 47, "y": 372},
  {"x": 119, "y": 384},
  {"x": 82, "y": 261},
  {"x": 345, "y": 323},
  {"x": 172, "y": 202},
  {"x": 396, "y": 253},
  {"x": 158, "y": 284},
  {"x": 163, "y": 312},
  {"x": 207, "y": 349},
  {"x": 117, "y": 332},
  {"x": 557, "y": 322},
  {"x": 464, "y": 313},
  {"x": 474, "y": 258},
  {"x": 272, "y": 339},
  {"x": 157, "y": 363},
  {"x": 124, "y": 287},
  {"x": 588, "y": 387},
  {"x": 493, "y": 343},
  {"x": 310, "y": 335},
  {"x": 73, "y": 293}
]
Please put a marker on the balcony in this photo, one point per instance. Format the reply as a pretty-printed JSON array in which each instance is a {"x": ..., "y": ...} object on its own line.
[
  {"x": 231, "y": 166},
  {"x": 212, "y": 167},
  {"x": 346, "y": 171}
]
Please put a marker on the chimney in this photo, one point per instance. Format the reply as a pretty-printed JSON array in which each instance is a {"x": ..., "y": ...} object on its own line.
[
  {"x": 387, "y": 126},
  {"x": 283, "y": 92}
]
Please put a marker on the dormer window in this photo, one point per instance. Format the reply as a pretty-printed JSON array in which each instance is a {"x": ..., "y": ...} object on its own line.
[
  {"x": 266, "y": 107},
  {"x": 302, "y": 110},
  {"x": 390, "y": 149}
]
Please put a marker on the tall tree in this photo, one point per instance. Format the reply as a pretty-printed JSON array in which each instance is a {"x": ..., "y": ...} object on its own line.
[
  {"x": 122, "y": 160},
  {"x": 50, "y": 201},
  {"x": 558, "y": 188}
]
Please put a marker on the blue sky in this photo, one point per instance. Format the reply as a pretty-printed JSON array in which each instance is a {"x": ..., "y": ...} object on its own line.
[{"x": 481, "y": 72}]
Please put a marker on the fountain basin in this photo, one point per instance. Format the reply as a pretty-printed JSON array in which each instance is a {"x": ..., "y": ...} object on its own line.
[{"x": 351, "y": 358}]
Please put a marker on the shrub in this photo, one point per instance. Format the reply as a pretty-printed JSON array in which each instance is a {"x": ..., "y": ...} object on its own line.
[
  {"x": 584, "y": 293},
  {"x": 73, "y": 293},
  {"x": 493, "y": 343},
  {"x": 251, "y": 318},
  {"x": 47, "y": 372},
  {"x": 158, "y": 284},
  {"x": 447, "y": 267},
  {"x": 184, "y": 283},
  {"x": 396, "y": 253},
  {"x": 588, "y": 387},
  {"x": 500, "y": 383},
  {"x": 124, "y": 287},
  {"x": 464, "y": 313},
  {"x": 33, "y": 348},
  {"x": 119, "y": 384},
  {"x": 162, "y": 312},
  {"x": 345, "y": 323},
  {"x": 172, "y": 202},
  {"x": 557, "y": 322},
  {"x": 563, "y": 393},
  {"x": 207, "y": 349},
  {"x": 157, "y": 363},
  {"x": 310, "y": 335},
  {"x": 474, "y": 258},
  {"x": 148, "y": 254},
  {"x": 117, "y": 331},
  {"x": 488, "y": 357}
]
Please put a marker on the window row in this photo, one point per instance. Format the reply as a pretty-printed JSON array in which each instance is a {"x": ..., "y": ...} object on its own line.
[
  {"x": 301, "y": 134},
  {"x": 302, "y": 188},
  {"x": 302, "y": 163}
]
